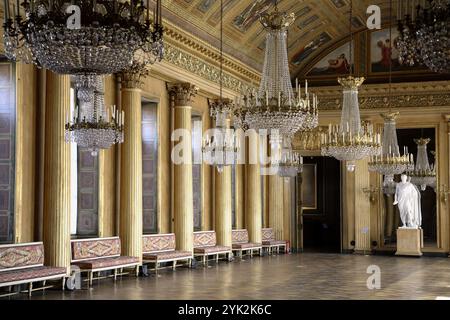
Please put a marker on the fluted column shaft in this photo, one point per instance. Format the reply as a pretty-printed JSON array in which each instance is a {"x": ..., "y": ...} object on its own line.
[
  {"x": 130, "y": 225},
  {"x": 287, "y": 208},
  {"x": 223, "y": 219},
  {"x": 181, "y": 95},
  {"x": 253, "y": 210},
  {"x": 107, "y": 176},
  {"x": 362, "y": 207},
  {"x": 56, "y": 220},
  {"x": 276, "y": 208}
]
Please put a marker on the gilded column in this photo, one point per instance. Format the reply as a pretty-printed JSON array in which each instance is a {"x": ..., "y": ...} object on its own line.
[
  {"x": 27, "y": 100},
  {"x": 130, "y": 225},
  {"x": 239, "y": 189},
  {"x": 181, "y": 95},
  {"x": 253, "y": 211},
  {"x": 107, "y": 176},
  {"x": 362, "y": 208},
  {"x": 276, "y": 210},
  {"x": 222, "y": 183},
  {"x": 287, "y": 209},
  {"x": 56, "y": 220}
]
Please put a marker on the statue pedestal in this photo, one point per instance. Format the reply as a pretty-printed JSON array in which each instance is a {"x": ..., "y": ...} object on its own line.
[{"x": 409, "y": 242}]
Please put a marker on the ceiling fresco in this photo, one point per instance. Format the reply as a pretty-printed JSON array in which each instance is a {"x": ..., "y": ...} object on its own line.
[{"x": 319, "y": 27}]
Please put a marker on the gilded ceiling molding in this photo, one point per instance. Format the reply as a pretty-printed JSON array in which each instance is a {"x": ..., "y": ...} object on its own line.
[
  {"x": 175, "y": 37},
  {"x": 199, "y": 67},
  {"x": 375, "y": 96}
]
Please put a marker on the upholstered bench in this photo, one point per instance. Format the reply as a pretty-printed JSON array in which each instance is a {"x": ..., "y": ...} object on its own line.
[
  {"x": 101, "y": 254},
  {"x": 241, "y": 243},
  {"x": 269, "y": 242},
  {"x": 205, "y": 244},
  {"x": 160, "y": 248},
  {"x": 24, "y": 263}
]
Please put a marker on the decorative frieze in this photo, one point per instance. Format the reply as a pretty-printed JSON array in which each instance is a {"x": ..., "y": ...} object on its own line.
[
  {"x": 408, "y": 95},
  {"x": 199, "y": 67}
]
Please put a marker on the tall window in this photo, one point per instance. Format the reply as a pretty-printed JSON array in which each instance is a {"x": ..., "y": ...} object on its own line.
[
  {"x": 84, "y": 179},
  {"x": 149, "y": 167},
  {"x": 197, "y": 169},
  {"x": 7, "y": 150}
]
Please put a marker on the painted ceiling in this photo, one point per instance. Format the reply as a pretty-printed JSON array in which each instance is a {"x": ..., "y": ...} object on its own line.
[{"x": 319, "y": 26}]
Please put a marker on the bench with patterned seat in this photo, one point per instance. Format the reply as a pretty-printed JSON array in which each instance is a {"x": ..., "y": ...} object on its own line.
[
  {"x": 269, "y": 242},
  {"x": 160, "y": 248},
  {"x": 205, "y": 244},
  {"x": 241, "y": 243},
  {"x": 101, "y": 254},
  {"x": 24, "y": 264}
]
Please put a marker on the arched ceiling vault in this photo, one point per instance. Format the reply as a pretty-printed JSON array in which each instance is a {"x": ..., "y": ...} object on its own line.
[{"x": 319, "y": 26}]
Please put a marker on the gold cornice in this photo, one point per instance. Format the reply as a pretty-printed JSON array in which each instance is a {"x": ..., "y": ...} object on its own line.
[
  {"x": 195, "y": 65},
  {"x": 375, "y": 96},
  {"x": 180, "y": 39}
]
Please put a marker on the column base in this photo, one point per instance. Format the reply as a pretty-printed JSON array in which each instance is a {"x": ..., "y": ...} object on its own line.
[
  {"x": 409, "y": 242},
  {"x": 363, "y": 252}
]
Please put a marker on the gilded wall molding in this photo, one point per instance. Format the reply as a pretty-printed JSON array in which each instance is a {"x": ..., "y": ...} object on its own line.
[{"x": 405, "y": 95}]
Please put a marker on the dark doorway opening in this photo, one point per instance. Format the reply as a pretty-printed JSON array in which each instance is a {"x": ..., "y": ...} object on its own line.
[{"x": 321, "y": 205}]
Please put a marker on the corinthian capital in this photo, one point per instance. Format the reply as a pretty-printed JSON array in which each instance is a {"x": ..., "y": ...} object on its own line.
[{"x": 181, "y": 94}]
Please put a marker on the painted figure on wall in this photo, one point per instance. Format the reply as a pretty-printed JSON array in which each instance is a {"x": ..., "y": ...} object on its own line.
[
  {"x": 339, "y": 65},
  {"x": 310, "y": 48},
  {"x": 382, "y": 53},
  {"x": 334, "y": 63},
  {"x": 252, "y": 13},
  {"x": 386, "y": 52}
]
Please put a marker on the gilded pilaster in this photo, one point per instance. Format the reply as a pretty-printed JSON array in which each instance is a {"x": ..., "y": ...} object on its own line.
[
  {"x": 181, "y": 95},
  {"x": 131, "y": 170},
  {"x": 56, "y": 221},
  {"x": 253, "y": 211}
]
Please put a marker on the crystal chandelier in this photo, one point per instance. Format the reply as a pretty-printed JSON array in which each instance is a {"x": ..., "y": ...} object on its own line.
[
  {"x": 352, "y": 140},
  {"x": 275, "y": 108},
  {"x": 91, "y": 125},
  {"x": 221, "y": 149},
  {"x": 425, "y": 34},
  {"x": 391, "y": 162},
  {"x": 82, "y": 36},
  {"x": 290, "y": 163},
  {"x": 423, "y": 174}
]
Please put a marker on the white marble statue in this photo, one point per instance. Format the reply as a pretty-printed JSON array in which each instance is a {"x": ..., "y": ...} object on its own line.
[{"x": 407, "y": 197}]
